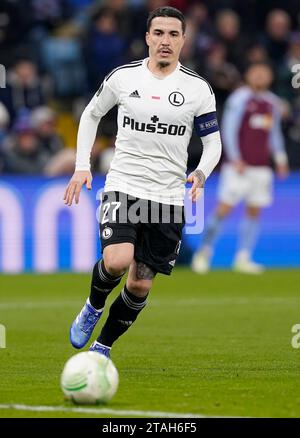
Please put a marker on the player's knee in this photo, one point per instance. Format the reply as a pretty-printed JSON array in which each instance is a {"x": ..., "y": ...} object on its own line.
[
  {"x": 140, "y": 288},
  {"x": 117, "y": 258},
  {"x": 223, "y": 210},
  {"x": 253, "y": 212},
  {"x": 116, "y": 265}
]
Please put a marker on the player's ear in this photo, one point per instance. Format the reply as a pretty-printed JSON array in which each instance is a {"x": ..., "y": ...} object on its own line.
[
  {"x": 147, "y": 36},
  {"x": 183, "y": 38}
]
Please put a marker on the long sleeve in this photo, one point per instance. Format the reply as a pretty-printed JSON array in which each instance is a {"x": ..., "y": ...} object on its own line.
[
  {"x": 231, "y": 122},
  {"x": 206, "y": 126},
  {"x": 212, "y": 148},
  {"x": 277, "y": 140},
  {"x": 101, "y": 103}
]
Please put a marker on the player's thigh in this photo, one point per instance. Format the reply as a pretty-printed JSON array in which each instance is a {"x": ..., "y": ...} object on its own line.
[
  {"x": 232, "y": 187},
  {"x": 261, "y": 182},
  {"x": 140, "y": 278},
  {"x": 159, "y": 245},
  {"x": 117, "y": 234},
  {"x": 118, "y": 257}
]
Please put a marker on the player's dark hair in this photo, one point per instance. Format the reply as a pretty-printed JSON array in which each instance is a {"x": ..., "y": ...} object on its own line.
[{"x": 166, "y": 11}]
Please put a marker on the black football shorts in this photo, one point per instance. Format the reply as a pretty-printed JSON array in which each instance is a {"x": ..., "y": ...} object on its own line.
[{"x": 153, "y": 228}]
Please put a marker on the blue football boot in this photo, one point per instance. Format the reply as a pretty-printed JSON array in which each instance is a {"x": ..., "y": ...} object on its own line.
[
  {"x": 84, "y": 324},
  {"x": 100, "y": 348}
]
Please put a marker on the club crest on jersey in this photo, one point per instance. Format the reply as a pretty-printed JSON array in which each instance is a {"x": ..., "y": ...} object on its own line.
[
  {"x": 176, "y": 98},
  {"x": 107, "y": 233}
]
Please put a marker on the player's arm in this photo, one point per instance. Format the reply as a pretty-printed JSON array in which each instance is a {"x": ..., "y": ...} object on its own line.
[
  {"x": 231, "y": 122},
  {"x": 277, "y": 146},
  {"x": 206, "y": 126},
  {"x": 101, "y": 103}
]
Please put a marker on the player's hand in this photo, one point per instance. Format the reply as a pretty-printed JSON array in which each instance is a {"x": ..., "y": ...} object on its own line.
[
  {"x": 282, "y": 171},
  {"x": 197, "y": 178},
  {"x": 240, "y": 166},
  {"x": 79, "y": 178}
]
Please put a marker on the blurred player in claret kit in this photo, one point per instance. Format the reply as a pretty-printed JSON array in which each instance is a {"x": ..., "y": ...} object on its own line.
[
  {"x": 252, "y": 137},
  {"x": 159, "y": 103}
]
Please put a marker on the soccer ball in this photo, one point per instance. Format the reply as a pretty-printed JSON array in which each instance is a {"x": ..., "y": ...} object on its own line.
[{"x": 89, "y": 378}]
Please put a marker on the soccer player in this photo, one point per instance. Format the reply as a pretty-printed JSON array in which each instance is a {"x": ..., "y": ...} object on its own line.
[
  {"x": 252, "y": 136},
  {"x": 159, "y": 102}
]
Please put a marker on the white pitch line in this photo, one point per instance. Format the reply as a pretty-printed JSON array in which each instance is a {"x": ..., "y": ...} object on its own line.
[
  {"x": 38, "y": 305},
  {"x": 179, "y": 303},
  {"x": 154, "y": 414}
]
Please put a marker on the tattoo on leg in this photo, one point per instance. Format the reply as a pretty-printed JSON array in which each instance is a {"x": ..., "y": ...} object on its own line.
[{"x": 143, "y": 272}]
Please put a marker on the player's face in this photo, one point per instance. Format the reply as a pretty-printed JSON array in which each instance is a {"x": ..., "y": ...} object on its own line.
[
  {"x": 165, "y": 40},
  {"x": 259, "y": 77}
]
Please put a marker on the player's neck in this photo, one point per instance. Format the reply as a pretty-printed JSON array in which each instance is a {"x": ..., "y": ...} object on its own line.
[
  {"x": 258, "y": 90},
  {"x": 161, "y": 70}
]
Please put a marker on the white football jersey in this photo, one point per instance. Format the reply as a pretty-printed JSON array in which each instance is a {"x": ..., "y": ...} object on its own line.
[{"x": 155, "y": 122}]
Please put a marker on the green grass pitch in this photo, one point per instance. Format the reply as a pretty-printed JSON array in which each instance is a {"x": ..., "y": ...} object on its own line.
[{"x": 217, "y": 345}]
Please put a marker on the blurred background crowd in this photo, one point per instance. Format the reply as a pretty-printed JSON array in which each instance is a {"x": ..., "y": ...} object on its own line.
[{"x": 56, "y": 53}]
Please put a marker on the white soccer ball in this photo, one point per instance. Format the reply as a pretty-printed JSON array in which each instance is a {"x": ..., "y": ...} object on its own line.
[{"x": 89, "y": 378}]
